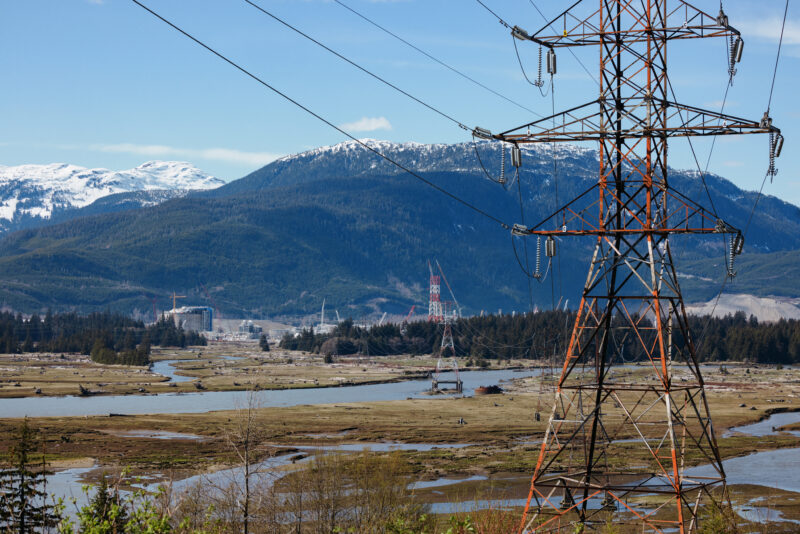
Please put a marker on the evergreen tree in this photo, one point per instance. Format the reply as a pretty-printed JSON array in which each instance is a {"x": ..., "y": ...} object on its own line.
[
  {"x": 263, "y": 343},
  {"x": 23, "y": 500}
]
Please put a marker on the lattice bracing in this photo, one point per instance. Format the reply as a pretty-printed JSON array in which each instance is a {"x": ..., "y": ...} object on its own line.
[{"x": 618, "y": 443}]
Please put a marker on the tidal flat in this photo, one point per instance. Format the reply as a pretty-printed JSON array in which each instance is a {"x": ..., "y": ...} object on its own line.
[{"x": 459, "y": 450}]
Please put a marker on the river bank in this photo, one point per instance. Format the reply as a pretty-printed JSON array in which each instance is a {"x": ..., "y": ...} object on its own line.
[
  {"x": 229, "y": 366},
  {"x": 457, "y": 449}
]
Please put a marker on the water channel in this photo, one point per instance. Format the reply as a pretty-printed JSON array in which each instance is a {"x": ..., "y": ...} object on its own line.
[
  {"x": 173, "y": 403},
  {"x": 777, "y": 469},
  {"x": 774, "y": 469}
]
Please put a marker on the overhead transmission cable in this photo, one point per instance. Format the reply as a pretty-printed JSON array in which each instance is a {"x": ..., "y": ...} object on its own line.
[
  {"x": 498, "y": 17},
  {"x": 769, "y": 105},
  {"x": 437, "y": 60},
  {"x": 569, "y": 49},
  {"x": 509, "y": 27},
  {"x": 522, "y": 68},
  {"x": 555, "y": 183},
  {"x": 778, "y": 56},
  {"x": 359, "y": 67},
  {"x": 555, "y": 166},
  {"x": 763, "y": 181},
  {"x": 525, "y": 242},
  {"x": 323, "y": 119}
]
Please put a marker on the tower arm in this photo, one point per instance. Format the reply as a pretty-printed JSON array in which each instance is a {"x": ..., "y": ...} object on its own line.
[
  {"x": 579, "y": 217},
  {"x": 581, "y": 124},
  {"x": 684, "y": 21}
]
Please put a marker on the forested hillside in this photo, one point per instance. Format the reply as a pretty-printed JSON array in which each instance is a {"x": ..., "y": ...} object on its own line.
[
  {"x": 337, "y": 223},
  {"x": 545, "y": 335}
]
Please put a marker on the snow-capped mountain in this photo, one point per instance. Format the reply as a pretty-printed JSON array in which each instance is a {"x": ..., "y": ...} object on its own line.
[
  {"x": 35, "y": 194},
  {"x": 353, "y": 159},
  {"x": 359, "y": 230},
  {"x": 548, "y": 172}
]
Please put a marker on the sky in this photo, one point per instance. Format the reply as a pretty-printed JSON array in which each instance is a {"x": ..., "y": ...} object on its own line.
[{"x": 102, "y": 83}]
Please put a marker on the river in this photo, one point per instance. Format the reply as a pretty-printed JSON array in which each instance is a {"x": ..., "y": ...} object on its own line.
[
  {"x": 206, "y": 401},
  {"x": 775, "y": 469}
]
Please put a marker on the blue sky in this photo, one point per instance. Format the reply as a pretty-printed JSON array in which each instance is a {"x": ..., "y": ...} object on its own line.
[{"x": 101, "y": 83}]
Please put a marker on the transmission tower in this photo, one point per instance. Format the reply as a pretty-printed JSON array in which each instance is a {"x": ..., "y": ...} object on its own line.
[
  {"x": 435, "y": 311},
  {"x": 610, "y": 440},
  {"x": 443, "y": 312}
]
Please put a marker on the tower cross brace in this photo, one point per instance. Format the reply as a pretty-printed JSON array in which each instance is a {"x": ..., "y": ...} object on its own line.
[{"x": 609, "y": 439}]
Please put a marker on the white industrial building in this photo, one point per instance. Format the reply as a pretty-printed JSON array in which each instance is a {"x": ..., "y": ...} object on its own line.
[{"x": 197, "y": 318}]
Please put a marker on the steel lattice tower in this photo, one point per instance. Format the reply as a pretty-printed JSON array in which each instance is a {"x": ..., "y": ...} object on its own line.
[
  {"x": 435, "y": 311},
  {"x": 610, "y": 440}
]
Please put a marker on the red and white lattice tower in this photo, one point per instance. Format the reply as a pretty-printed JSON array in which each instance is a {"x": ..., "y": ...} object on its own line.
[
  {"x": 435, "y": 310},
  {"x": 443, "y": 313}
]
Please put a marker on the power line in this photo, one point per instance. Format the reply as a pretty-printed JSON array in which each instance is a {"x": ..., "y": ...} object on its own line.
[
  {"x": 763, "y": 182},
  {"x": 525, "y": 242},
  {"x": 769, "y": 103},
  {"x": 778, "y": 57},
  {"x": 437, "y": 60},
  {"x": 519, "y": 60},
  {"x": 321, "y": 118},
  {"x": 694, "y": 154},
  {"x": 498, "y": 17},
  {"x": 359, "y": 67},
  {"x": 508, "y": 26},
  {"x": 568, "y": 49}
]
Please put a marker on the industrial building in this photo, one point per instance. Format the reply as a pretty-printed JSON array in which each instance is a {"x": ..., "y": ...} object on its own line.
[
  {"x": 197, "y": 318},
  {"x": 249, "y": 330}
]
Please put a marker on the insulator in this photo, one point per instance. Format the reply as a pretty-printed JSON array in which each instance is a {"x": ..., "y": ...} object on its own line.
[
  {"x": 516, "y": 157},
  {"x": 732, "y": 60},
  {"x": 722, "y": 19},
  {"x": 550, "y": 247},
  {"x": 778, "y": 146},
  {"x": 551, "y": 62},
  {"x": 738, "y": 48},
  {"x": 482, "y": 133},
  {"x": 537, "y": 272},
  {"x": 519, "y": 229},
  {"x": 539, "y": 82},
  {"x": 520, "y": 34},
  {"x": 772, "y": 171},
  {"x": 738, "y": 243},
  {"x": 731, "y": 256},
  {"x": 502, "y": 164}
]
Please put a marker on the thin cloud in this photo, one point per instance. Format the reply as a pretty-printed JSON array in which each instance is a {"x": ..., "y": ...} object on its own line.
[
  {"x": 769, "y": 29},
  {"x": 368, "y": 124},
  {"x": 733, "y": 163},
  {"x": 227, "y": 155},
  {"x": 716, "y": 104}
]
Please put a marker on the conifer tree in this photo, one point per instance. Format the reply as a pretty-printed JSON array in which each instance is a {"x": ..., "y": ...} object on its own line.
[{"x": 24, "y": 507}]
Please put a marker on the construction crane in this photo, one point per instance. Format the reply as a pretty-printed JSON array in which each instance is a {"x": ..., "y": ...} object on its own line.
[
  {"x": 153, "y": 301},
  {"x": 211, "y": 300},
  {"x": 404, "y": 324},
  {"x": 175, "y": 298}
]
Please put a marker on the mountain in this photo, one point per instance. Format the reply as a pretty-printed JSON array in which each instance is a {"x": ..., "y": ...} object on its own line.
[
  {"x": 33, "y": 195},
  {"x": 340, "y": 223},
  {"x": 351, "y": 159}
]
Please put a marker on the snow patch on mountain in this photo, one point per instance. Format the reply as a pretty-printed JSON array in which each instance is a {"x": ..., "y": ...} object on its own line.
[
  {"x": 370, "y": 157},
  {"x": 37, "y": 191},
  {"x": 421, "y": 151}
]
